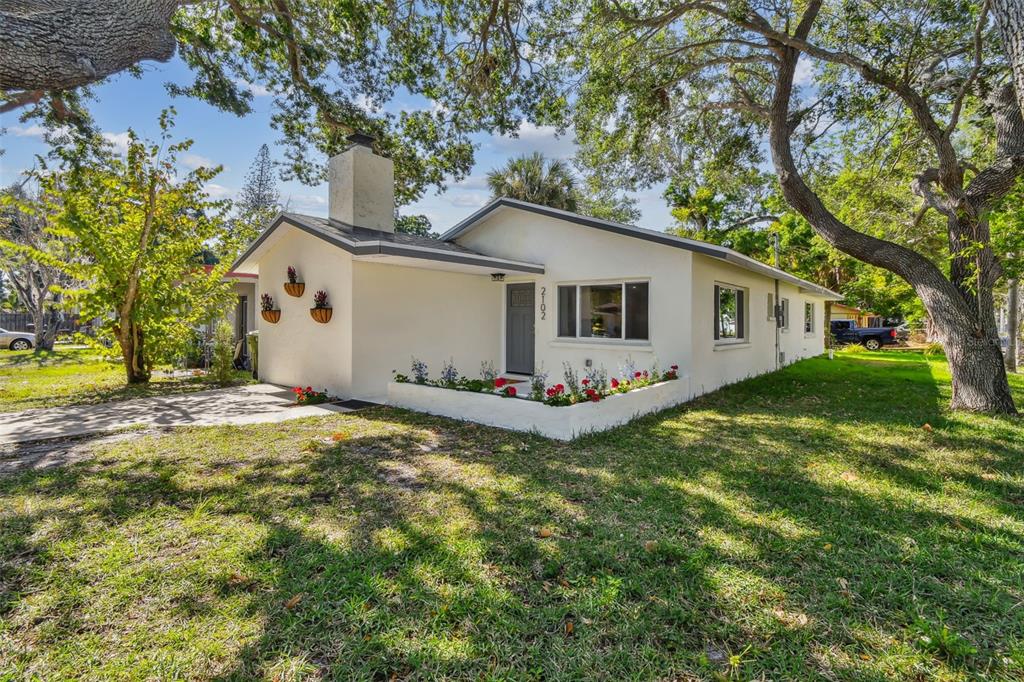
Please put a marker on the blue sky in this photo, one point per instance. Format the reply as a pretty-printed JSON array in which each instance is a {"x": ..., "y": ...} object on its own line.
[{"x": 222, "y": 138}]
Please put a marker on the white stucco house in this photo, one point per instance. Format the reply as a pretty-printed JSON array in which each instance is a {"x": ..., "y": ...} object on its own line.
[{"x": 517, "y": 285}]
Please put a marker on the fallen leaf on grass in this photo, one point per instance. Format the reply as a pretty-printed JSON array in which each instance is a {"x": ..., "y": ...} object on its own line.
[
  {"x": 827, "y": 547},
  {"x": 293, "y": 602},
  {"x": 650, "y": 545},
  {"x": 237, "y": 579},
  {"x": 569, "y": 627},
  {"x": 544, "y": 532},
  {"x": 927, "y": 427},
  {"x": 338, "y": 436}
]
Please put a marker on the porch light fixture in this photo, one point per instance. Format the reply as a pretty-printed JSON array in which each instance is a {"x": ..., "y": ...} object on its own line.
[{"x": 497, "y": 276}]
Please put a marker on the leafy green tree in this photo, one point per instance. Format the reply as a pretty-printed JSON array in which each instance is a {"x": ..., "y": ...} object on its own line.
[
  {"x": 536, "y": 179},
  {"x": 30, "y": 256},
  {"x": 660, "y": 82},
  {"x": 328, "y": 66},
  {"x": 136, "y": 229},
  {"x": 414, "y": 224}
]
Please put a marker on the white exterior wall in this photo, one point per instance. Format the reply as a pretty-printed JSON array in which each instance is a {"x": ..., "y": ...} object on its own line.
[
  {"x": 716, "y": 364},
  {"x": 298, "y": 350},
  {"x": 400, "y": 312},
  {"x": 575, "y": 254}
]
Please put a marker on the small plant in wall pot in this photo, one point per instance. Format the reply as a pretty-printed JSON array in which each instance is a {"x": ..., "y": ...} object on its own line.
[
  {"x": 293, "y": 286},
  {"x": 267, "y": 309},
  {"x": 320, "y": 311}
]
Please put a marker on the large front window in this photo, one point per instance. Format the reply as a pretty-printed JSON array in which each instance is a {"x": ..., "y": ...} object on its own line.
[
  {"x": 604, "y": 311},
  {"x": 729, "y": 314}
]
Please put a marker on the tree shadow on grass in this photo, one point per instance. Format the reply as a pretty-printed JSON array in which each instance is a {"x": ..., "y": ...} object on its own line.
[{"x": 420, "y": 547}]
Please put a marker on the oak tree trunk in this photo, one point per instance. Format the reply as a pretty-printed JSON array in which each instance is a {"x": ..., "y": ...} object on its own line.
[
  {"x": 1009, "y": 16},
  {"x": 63, "y": 44},
  {"x": 1012, "y": 324}
]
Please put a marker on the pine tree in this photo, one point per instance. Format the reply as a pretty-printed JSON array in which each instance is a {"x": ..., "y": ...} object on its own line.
[{"x": 257, "y": 203}]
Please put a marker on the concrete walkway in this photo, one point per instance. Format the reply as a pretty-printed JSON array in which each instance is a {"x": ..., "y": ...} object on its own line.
[{"x": 253, "y": 404}]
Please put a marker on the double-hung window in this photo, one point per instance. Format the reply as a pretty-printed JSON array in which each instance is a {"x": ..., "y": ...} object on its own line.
[
  {"x": 784, "y": 319},
  {"x": 730, "y": 314},
  {"x": 617, "y": 310},
  {"x": 808, "y": 318}
]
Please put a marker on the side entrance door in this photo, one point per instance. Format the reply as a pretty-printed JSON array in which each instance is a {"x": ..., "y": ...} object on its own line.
[{"x": 519, "y": 328}]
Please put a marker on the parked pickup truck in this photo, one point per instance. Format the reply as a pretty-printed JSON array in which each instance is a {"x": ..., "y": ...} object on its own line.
[{"x": 872, "y": 338}]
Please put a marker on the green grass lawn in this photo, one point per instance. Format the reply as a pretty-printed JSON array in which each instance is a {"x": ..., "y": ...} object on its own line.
[
  {"x": 75, "y": 376},
  {"x": 802, "y": 525}
]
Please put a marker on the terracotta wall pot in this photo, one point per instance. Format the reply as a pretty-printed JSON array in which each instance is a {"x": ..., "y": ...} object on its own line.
[
  {"x": 271, "y": 316},
  {"x": 321, "y": 315},
  {"x": 295, "y": 288}
]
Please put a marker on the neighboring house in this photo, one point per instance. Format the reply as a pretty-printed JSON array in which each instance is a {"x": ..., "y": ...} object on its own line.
[
  {"x": 861, "y": 317},
  {"x": 518, "y": 285}
]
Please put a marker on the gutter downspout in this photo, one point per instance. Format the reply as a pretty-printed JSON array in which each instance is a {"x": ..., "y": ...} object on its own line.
[{"x": 778, "y": 303}]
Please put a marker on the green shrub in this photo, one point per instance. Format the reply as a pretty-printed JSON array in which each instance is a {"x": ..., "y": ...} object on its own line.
[{"x": 222, "y": 362}]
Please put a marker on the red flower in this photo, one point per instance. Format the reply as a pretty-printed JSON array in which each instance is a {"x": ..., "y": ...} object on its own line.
[
  {"x": 615, "y": 383},
  {"x": 296, "y": 390},
  {"x": 560, "y": 387},
  {"x": 645, "y": 372},
  {"x": 510, "y": 391},
  {"x": 500, "y": 382},
  {"x": 596, "y": 397},
  {"x": 637, "y": 375},
  {"x": 309, "y": 389},
  {"x": 675, "y": 368},
  {"x": 585, "y": 382},
  {"x": 551, "y": 392}
]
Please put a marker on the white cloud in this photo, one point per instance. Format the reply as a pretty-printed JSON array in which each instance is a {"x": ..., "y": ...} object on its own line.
[
  {"x": 473, "y": 182},
  {"x": 314, "y": 204},
  {"x": 533, "y": 138},
  {"x": 469, "y": 199},
  {"x": 256, "y": 89},
  {"x": 215, "y": 191},
  {"x": 32, "y": 131},
  {"x": 194, "y": 161},
  {"x": 119, "y": 141},
  {"x": 804, "y": 74}
]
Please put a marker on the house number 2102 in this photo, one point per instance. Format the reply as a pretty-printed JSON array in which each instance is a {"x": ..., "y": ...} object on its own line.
[{"x": 543, "y": 305}]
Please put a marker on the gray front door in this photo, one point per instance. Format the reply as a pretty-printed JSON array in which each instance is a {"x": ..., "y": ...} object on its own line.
[{"x": 519, "y": 328}]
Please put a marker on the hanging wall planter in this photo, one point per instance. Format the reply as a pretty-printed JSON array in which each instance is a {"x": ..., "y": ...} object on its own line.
[
  {"x": 321, "y": 312},
  {"x": 293, "y": 286},
  {"x": 321, "y": 315},
  {"x": 267, "y": 310}
]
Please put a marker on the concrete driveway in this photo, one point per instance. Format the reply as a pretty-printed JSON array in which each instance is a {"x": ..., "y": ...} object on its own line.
[{"x": 253, "y": 404}]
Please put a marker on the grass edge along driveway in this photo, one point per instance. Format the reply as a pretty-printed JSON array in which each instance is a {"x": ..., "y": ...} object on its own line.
[{"x": 801, "y": 525}]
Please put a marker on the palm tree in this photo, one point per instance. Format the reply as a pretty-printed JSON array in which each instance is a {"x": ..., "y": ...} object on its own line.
[{"x": 535, "y": 179}]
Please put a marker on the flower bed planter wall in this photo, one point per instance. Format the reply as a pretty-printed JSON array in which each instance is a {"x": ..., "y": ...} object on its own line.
[{"x": 562, "y": 423}]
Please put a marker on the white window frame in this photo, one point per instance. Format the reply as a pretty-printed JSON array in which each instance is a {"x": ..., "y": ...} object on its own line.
[
  {"x": 576, "y": 313},
  {"x": 809, "y": 318},
  {"x": 744, "y": 323}
]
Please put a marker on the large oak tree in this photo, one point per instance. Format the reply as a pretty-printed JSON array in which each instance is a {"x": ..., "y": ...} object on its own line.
[{"x": 787, "y": 80}]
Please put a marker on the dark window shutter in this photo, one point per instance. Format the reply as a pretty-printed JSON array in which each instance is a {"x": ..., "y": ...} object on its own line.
[
  {"x": 717, "y": 317},
  {"x": 740, "y": 316}
]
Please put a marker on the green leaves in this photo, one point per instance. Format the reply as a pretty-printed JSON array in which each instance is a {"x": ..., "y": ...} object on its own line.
[{"x": 136, "y": 230}]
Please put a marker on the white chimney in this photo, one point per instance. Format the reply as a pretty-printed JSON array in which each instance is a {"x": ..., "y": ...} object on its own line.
[{"x": 361, "y": 187}]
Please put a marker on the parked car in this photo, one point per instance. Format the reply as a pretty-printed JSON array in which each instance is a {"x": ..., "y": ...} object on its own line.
[
  {"x": 16, "y": 340},
  {"x": 872, "y": 338}
]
